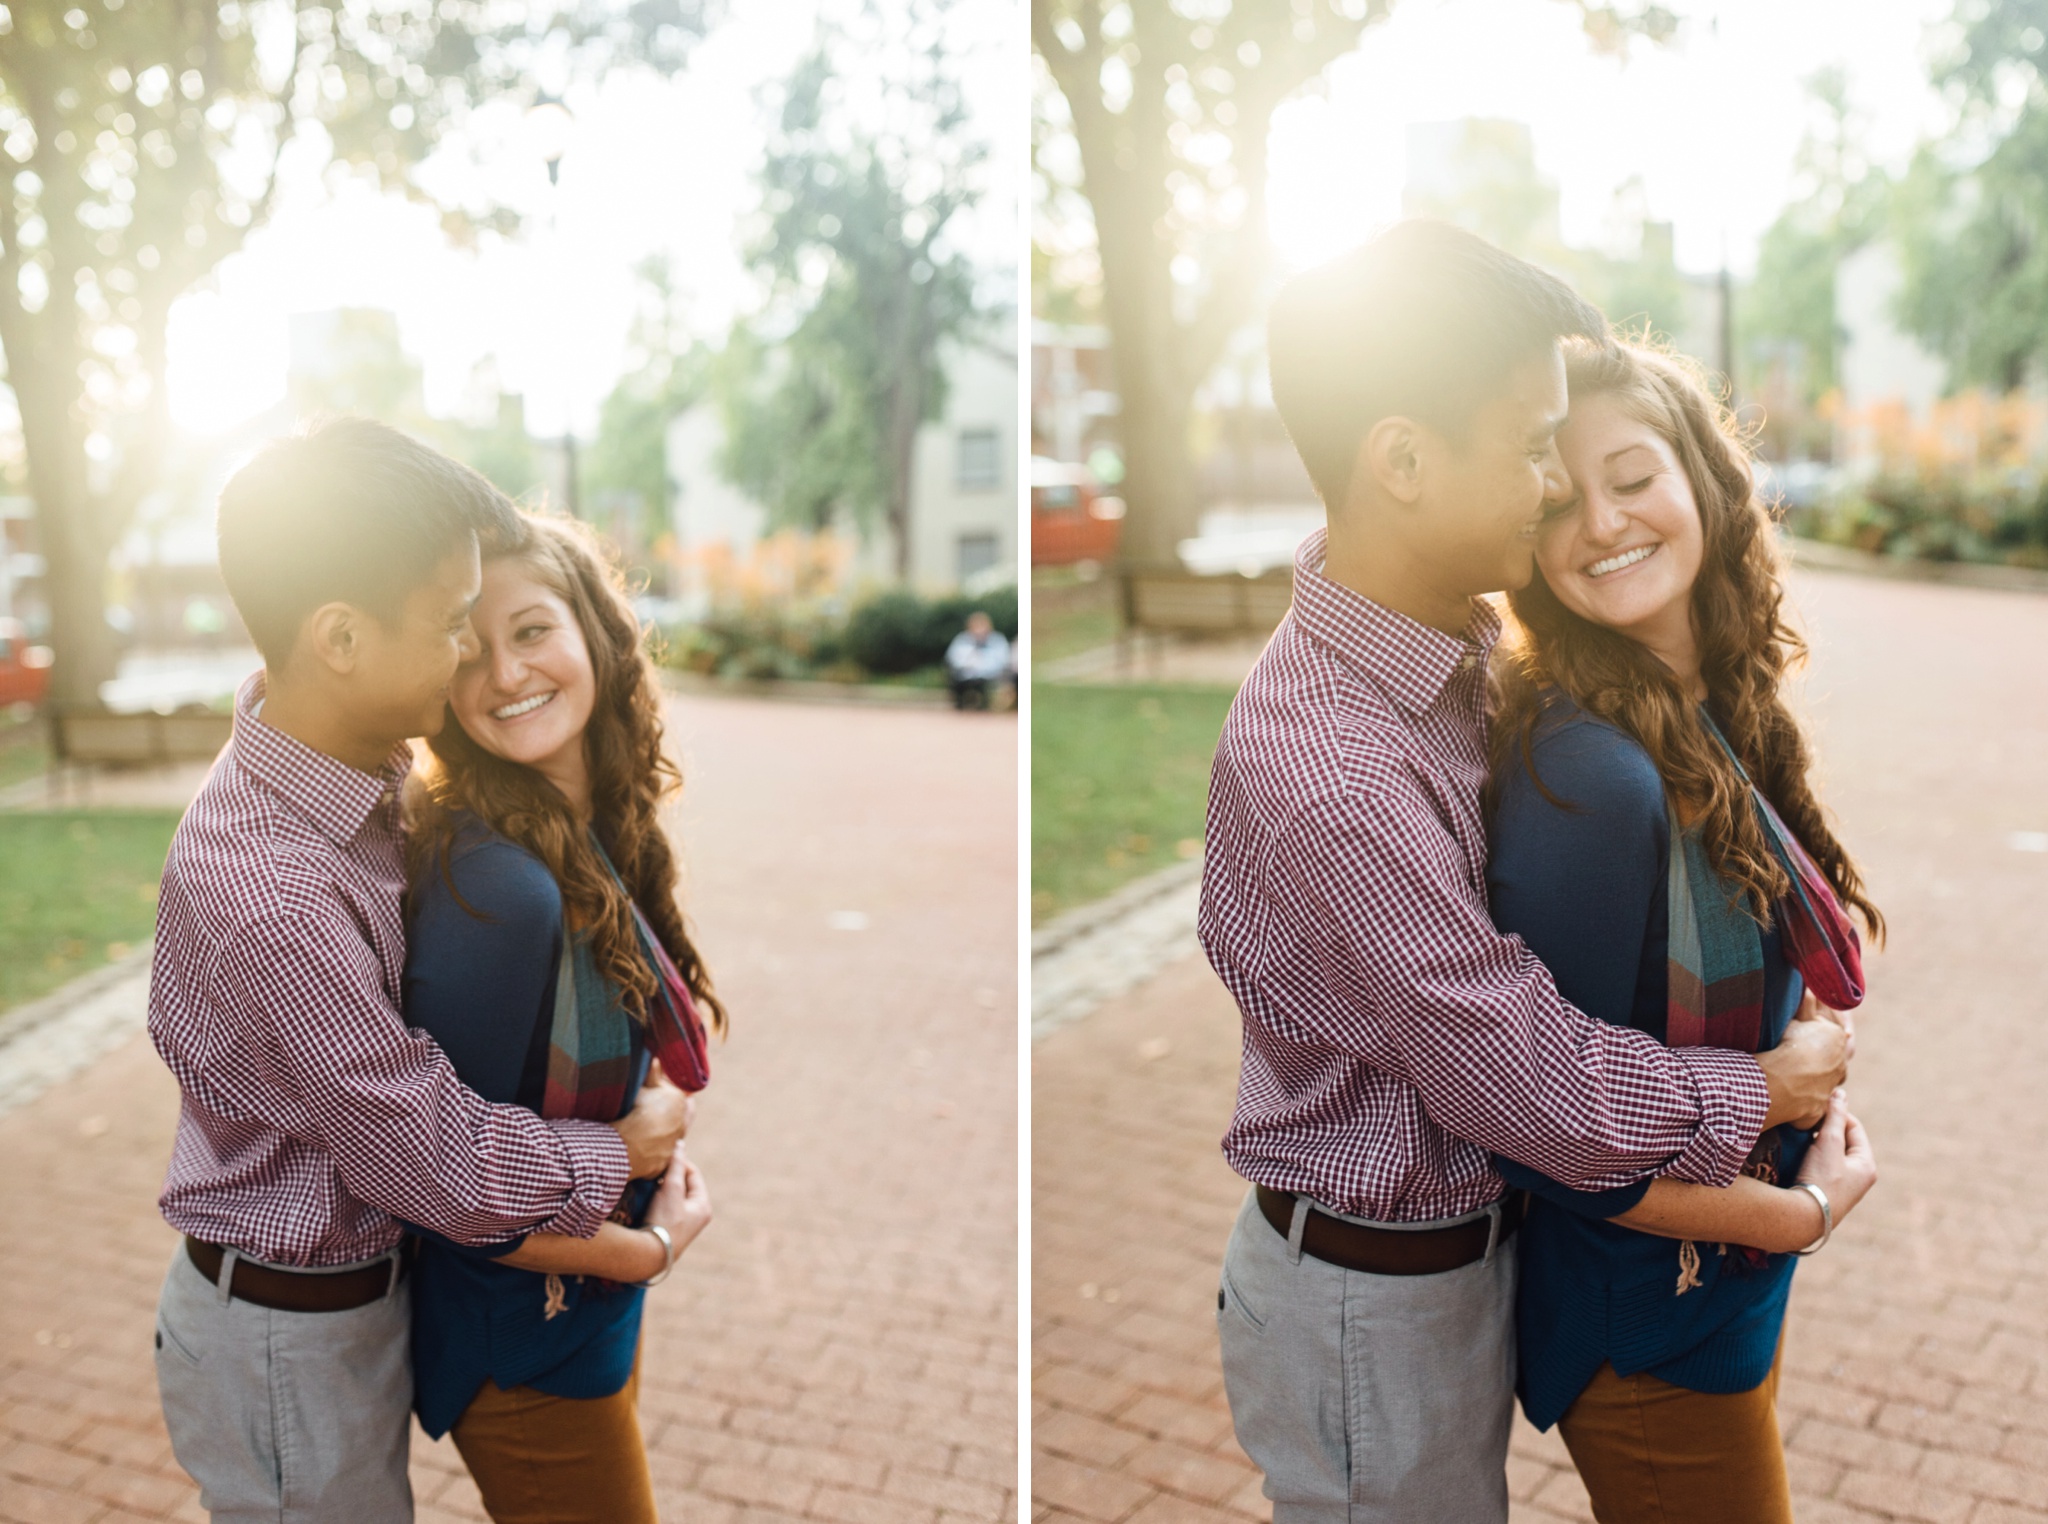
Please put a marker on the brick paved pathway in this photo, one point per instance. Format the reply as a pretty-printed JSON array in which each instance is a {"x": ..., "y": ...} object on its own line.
[
  {"x": 1917, "y": 1361},
  {"x": 841, "y": 1345}
]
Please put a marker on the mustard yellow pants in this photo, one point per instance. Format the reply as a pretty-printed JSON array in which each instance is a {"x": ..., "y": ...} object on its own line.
[
  {"x": 559, "y": 1460},
  {"x": 1653, "y": 1453}
]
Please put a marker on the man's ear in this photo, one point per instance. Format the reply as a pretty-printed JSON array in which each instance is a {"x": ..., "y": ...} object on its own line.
[
  {"x": 333, "y": 637},
  {"x": 1390, "y": 456}
]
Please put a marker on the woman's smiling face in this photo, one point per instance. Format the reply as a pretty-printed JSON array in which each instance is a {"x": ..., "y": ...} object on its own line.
[
  {"x": 529, "y": 693},
  {"x": 1627, "y": 549}
]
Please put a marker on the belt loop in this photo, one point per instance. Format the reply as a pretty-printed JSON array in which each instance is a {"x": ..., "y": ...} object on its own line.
[
  {"x": 391, "y": 1288},
  {"x": 1295, "y": 1227},
  {"x": 225, "y": 1284},
  {"x": 1493, "y": 1216}
]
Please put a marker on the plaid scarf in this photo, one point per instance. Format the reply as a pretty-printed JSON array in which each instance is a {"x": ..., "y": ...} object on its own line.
[
  {"x": 595, "y": 1042},
  {"x": 1714, "y": 963}
]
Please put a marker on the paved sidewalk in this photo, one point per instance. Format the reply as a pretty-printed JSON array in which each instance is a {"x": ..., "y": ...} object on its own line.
[
  {"x": 1917, "y": 1359},
  {"x": 841, "y": 1345}
]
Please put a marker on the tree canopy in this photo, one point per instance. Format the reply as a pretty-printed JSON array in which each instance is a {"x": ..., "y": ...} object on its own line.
[
  {"x": 823, "y": 392},
  {"x": 146, "y": 140}
]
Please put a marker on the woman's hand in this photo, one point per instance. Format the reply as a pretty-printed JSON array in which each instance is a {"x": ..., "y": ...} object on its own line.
[
  {"x": 683, "y": 1203},
  {"x": 1840, "y": 1160}
]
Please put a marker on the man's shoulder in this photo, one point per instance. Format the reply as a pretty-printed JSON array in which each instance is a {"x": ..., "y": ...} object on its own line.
[
  {"x": 241, "y": 856},
  {"x": 1307, "y": 727}
]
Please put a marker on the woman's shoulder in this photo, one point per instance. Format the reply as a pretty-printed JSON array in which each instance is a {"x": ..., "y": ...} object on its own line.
[
  {"x": 488, "y": 870},
  {"x": 1586, "y": 761}
]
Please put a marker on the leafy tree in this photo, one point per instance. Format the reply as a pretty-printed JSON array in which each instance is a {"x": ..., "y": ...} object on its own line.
[
  {"x": 143, "y": 140},
  {"x": 1168, "y": 106},
  {"x": 823, "y": 393},
  {"x": 665, "y": 374},
  {"x": 1972, "y": 225},
  {"x": 1839, "y": 204}
]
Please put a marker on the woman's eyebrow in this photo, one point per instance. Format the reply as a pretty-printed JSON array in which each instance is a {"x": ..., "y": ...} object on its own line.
[
  {"x": 1613, "y": 455},
  {"x": 530, "y": 608}
]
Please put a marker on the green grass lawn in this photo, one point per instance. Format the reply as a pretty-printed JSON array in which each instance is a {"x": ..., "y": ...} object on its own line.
[
  {"x": 24, "y": 747},
  {"x": 1069, "y": 616},
  {"x": 77, "y": 889},
  {"x": 1119, "y": 782}
]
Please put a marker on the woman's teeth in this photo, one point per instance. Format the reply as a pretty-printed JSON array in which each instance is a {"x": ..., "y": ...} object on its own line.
[
  {"x": 524, "y": 706},
  {"x": 1616, "y": 563}
]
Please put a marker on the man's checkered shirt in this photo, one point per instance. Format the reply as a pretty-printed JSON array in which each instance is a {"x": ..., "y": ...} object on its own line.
[{"x": 1393, "y": 1040}]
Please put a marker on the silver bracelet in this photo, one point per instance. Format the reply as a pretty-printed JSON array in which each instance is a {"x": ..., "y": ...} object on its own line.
[
  {"x": 668, "y": 1246},
  {"x": 1827, "y": 1217}
]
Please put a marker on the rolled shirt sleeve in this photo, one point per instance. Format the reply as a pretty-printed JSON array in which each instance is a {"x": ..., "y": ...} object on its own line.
[
  {"x": 1427, "y": 990},
  {"x": 335, "y": 1066}
]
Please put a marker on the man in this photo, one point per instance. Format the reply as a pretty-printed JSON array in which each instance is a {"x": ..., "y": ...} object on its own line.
[
  {"x": 312, "y": 1116},
  {"x": 977, "y": 659},
  {"x": 1393, "y": 1041}
]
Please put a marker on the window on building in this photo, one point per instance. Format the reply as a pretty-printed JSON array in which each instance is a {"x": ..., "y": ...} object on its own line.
[
  {"x": 978, "y": 552},
  {"x": 981, "y": 461}
]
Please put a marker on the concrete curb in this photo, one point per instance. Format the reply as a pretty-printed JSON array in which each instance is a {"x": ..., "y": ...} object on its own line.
[
  {"x": 1096, "y": 952},
  {"x": 874, "y": 695},
  {"x": 26, "y": 1018},
  {"x": 47, "y": 1041},
  {"x": 1082, "y": 919},
  {"x": 1817, "y": 555}
]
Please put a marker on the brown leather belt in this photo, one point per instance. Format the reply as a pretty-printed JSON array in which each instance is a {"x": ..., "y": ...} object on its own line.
[
  {"x": 298, "y": 1290},
  {"x": 1385, "y": 1251}
]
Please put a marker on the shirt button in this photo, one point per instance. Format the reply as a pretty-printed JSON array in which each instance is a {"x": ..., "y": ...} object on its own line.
[
  {"x": 386, "y": 797},
  {"x": 1467, "y": 662}
]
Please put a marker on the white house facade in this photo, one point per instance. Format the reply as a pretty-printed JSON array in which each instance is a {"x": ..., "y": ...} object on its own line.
[{"x": 963, "y": 499}]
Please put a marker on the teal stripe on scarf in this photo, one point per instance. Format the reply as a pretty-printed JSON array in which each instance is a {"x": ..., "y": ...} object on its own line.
[
  {"x": 1715, "y": 954},
  {"x": 591, "y": 1042}
]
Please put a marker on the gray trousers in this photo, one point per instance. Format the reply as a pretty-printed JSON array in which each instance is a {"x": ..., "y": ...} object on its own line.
[
  {"x": 1369, "y": 1399},
  {"x": 287, "y": 1417}
]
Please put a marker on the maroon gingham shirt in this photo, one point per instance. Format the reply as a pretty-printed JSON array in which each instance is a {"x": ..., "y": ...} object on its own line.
[
  {"x": 1393, "y": 1039},
  {"x": 313, "y": 1116}
]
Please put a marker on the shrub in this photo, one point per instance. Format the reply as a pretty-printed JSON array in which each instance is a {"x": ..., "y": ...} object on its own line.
[
  {"x": 898, "y": 631},
  {"x": 1990, "y": 517},
  {"x": 888, "y": 635}
]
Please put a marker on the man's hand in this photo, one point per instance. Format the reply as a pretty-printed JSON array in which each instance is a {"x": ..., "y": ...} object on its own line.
[
  {"x": 1806, "y": 1066},
  {"x": 656, "y": 1124}
]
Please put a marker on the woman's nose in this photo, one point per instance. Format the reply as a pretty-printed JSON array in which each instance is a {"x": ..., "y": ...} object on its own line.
[{"x": 1605, "y": 518}]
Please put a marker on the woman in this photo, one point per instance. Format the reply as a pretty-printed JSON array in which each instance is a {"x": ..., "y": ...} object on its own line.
[
  {"x": 1637, "y": 702},
  {"x": 548, "y": 956}
]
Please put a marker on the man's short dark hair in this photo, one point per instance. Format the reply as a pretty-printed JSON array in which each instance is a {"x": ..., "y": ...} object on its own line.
[
  {"x": 350, "y": 511},
  {"x": 1423, "y": 322}
]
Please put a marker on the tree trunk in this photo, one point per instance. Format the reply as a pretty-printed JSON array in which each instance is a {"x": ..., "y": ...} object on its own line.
[{"x": 70, "y": 521}]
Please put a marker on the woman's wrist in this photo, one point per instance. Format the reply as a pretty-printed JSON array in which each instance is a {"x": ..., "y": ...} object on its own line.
[{"x": 1807, "y": 1222}]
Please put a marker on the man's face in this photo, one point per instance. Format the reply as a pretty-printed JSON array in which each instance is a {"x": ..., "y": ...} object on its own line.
[
  {"x": 405, "y": 666},
  {"x": 979, "y": 626},
  {"x": 1484, "y": 499}
]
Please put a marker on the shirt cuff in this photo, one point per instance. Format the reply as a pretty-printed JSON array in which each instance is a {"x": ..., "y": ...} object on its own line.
[
  {"x": 1734, "y": 1100},
  {"x": 599, "y": 1165}
]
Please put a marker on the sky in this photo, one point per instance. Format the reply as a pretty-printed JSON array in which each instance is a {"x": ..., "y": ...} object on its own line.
[
  {"x": 651, "y": 166},
  {"x": 1710, "y": 123}
]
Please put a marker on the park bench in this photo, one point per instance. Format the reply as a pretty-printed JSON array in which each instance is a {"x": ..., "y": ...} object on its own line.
[
  {"x": 1173, "y": 601},
  {"x": 84, "y": 738}
]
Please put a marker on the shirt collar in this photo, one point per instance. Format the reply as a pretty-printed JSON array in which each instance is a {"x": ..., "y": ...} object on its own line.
[
  {"x": 1410, "y": 661},
  {"x": 332, "y": 795}
]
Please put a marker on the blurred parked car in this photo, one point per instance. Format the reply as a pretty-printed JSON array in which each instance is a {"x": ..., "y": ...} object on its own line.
[
  {"x": 1070, "y": 518},
  {"x": 24, "y": 668}
]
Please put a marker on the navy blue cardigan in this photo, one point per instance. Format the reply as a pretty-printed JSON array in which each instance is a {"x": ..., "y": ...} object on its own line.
[
  {"x": 1585, "y": 888},
  {"x": 482, "y": 985}
]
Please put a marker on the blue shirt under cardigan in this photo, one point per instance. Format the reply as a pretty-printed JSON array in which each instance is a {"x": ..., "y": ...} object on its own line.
[
  {"x": 1585, "y": 888},
  {"x": 483, "y": 987}
]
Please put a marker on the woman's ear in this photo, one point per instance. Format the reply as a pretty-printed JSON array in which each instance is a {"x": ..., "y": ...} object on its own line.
[{"x": 1391, "y": 458}]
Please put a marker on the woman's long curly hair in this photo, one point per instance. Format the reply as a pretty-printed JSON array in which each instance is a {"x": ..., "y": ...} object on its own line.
[
  {"x": 631, "y": 777},
  {"x": 1746, "y": 647}
]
